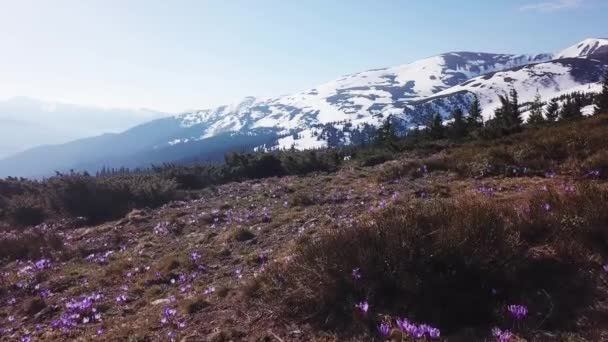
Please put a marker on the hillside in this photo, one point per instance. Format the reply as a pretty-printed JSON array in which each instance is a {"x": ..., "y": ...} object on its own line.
[
  {"x": 459, "y": 238},
  {"x": 412, "y": 92}
]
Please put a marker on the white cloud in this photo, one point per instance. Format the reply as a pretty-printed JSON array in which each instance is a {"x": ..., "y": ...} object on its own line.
[{"x": 554, "y": 5}]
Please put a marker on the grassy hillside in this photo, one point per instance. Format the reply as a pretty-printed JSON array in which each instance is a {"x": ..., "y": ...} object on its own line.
[{"x": 463, "y": 240}]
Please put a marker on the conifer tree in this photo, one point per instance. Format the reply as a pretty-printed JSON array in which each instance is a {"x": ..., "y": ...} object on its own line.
[
  {"x": 571, "y": 110},
  {"x": 536, "y": 111},
  {"x": 386, "y": 134},
  {"x": 601, "y": 101},
  {"x": 459, "y": 126},
  {"x": 552, "y": 111},
  {"x": 475, "y": 120},
  {"x": 515, "y": 119},
  {"x": 436, "y": 128}
]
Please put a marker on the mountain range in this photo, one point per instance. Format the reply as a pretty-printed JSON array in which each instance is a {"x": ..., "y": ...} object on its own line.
[
  {"x": 412, "y": 92},
  {"x": 27, "y": 122}
]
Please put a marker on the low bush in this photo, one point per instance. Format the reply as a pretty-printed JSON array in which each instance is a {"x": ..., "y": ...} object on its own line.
[
  {"x": 100, "y": 199},
  {"x": 29, "y": 245}
]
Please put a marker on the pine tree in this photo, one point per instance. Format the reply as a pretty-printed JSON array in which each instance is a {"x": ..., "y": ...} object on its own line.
[
  {"x": 475, "y": 120},
  {"x": 571, "y": 110},
  {"x": 436, "y": 128},
  {"x": 601, "y": 101},
  {"x": 536, "y": 111},
  {"x": 552, "y": 111},
  {"x": 459, "y": 126},
  {"x": 386, "y": 134},
  {"x": 515, "y": 119}
]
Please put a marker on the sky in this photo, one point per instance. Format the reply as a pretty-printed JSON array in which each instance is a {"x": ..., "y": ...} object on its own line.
[{"x": 179, "y": 55}]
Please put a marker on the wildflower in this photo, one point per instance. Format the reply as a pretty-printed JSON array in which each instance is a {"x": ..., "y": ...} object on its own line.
[
  {"x": 384, "y": 329},
  {"x": 500, "y": 335},
  {"x": 547, "y": 206},
  {"x": 605, "y": 268},
  {"x": 209, "y": 290},
  {"x": 434, "y": 333},
  {"x": 356, "y": 273},
  {"x": 194, "y": 256},
  {"x": 121, "y": 299},
  {"x": 418, "y": 331},
  {"x": 518, "y": 311},
  {"x": 363, "y": 307},
  {"x": 42, "y": 264}
]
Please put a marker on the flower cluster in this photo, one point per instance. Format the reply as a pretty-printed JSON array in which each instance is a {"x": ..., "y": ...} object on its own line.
[
  {"x": 42, "y": 264},
  {"x": 101, "y": 259},
  {"x": 169, "y": 318},
  {"x": 164, "y": 228},
  {"x": 488, "y": 191},
  {"x": 418, "y": 331},
  {"x": 79, "y": 311},
  {"x": 502, "y": 335}
]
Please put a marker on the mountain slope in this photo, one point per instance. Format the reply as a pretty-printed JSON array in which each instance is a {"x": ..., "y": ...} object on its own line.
[
  {"x": 585, "y": 48},
  {"x": 412, "y": 92},
  {"x": 549, "y": 79}
]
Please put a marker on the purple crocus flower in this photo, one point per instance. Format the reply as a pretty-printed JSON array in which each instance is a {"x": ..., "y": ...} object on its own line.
[
  {"x": 501, "y": 335},
  {"x": 356, "y": 273},
  {"x": 518, "y": 311},
  {"x": 384, "y": 329},
  {"x": 195, "y": 256},
  {"x": 363, "y": 307}
]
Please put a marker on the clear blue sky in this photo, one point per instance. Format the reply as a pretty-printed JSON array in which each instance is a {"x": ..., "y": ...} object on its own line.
[{"x": 177, "y": 55}]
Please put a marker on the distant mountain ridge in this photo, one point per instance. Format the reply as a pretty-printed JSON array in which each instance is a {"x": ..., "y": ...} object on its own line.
[
  {"x": 27, "y": 122},
  {"x": 412, "y": 92}
]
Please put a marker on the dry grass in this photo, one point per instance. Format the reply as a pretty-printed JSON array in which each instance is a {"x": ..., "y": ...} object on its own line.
[{"x": 453, "y": 262}]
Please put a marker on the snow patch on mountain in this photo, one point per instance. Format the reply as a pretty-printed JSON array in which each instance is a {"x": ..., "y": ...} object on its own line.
[{"x": 549, "y": 79}]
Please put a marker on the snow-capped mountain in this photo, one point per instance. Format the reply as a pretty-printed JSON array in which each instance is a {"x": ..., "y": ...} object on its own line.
[
  {"x": 585, "y": 48},
  {"x": 412, "y": 92},
  {"x": 365, "y": 97}
]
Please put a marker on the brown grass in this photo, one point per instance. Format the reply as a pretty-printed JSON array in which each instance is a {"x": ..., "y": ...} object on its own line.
[{"x": 451, "y": 262}]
